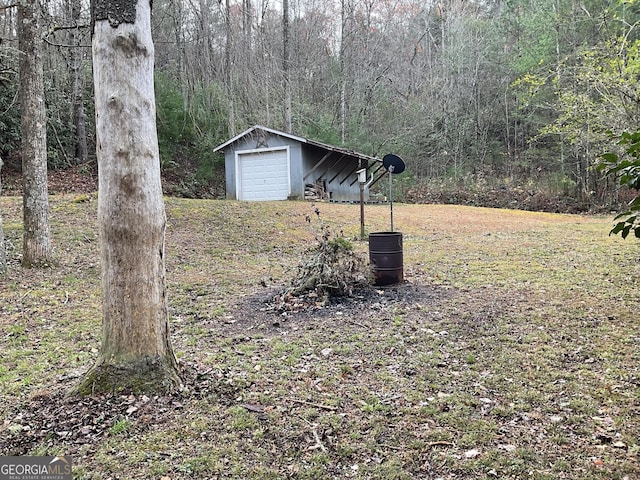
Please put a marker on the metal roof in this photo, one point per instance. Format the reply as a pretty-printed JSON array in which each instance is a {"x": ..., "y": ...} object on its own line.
[{"x": 341, "y": 150}]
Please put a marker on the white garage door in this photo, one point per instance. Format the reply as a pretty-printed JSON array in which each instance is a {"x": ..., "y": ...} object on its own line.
[{"x": 263, "y": 175}]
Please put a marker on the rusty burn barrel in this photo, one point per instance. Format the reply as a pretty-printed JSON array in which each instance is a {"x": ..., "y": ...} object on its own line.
[{"x": 385, "y": 256}]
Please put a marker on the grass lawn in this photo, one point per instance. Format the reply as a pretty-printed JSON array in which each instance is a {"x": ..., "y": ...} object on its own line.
[{"x": 512, "y": 351}]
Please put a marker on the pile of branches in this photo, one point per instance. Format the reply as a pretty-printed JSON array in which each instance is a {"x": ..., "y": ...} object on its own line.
[{"x": 329, "y": 269}]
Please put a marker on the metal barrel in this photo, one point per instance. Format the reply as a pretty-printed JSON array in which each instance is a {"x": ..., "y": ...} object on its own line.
[{"x": 385, "y": 256}]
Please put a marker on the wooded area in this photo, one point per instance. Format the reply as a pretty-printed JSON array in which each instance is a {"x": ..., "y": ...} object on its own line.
[{"x": 504, "y": 95}]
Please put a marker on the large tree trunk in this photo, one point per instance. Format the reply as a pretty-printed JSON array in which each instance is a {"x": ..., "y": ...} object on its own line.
[
  {"x": 37, "y": 238},
  {"x": 136, "y": 353}
]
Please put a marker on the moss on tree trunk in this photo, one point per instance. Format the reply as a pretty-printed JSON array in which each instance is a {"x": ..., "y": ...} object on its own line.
[{"x": 136, "y": 376}]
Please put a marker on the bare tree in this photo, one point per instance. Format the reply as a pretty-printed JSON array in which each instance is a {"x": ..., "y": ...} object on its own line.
[
  {"x": 136, "y": 353},
  {"x": 286, "y": 65},
  {"x": 37, "y": 250},
  {"x": 77, "y": 83},
  {"x": 345, "y": 34},
  {"x": 228, "y": 65}
]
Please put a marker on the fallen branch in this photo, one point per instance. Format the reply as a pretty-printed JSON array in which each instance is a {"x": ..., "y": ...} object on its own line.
[
  {"x": 319, "y": 443},
  {"x": 439, "y": 443},
  {"x": 317, "y": 405},
  {"x": 358, "y": 324}
]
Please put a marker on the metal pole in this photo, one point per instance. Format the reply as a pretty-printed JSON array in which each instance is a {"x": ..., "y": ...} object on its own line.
[
  {"x": 391, "y": 195},
  {"x": 361, "y": 210}
]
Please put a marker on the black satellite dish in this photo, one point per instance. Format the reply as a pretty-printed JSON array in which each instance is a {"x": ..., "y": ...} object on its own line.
[{"x": 393, "y": 163}]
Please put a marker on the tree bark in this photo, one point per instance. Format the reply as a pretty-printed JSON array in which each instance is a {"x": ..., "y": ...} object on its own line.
[
  {"x": 136, "y": 353},
  {"x": 77, "y": 84},
  {"x": 286, "y": 65},
  {"x": 37, "y": 237},
  {"x": 228, "y": 73}
]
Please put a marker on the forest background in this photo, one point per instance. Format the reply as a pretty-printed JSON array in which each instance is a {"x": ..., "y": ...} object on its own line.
[{"x": 495, "y": 103}]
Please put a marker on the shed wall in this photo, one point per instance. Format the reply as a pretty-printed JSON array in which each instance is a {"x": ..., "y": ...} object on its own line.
[{"x": 265, "y": 142}]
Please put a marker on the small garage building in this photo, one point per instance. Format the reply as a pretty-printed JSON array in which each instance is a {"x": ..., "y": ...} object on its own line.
[{"x": 266, "y": 164}]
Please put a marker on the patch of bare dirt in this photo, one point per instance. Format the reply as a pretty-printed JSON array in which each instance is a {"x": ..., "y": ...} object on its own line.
[{"x": 266, "y": 310}]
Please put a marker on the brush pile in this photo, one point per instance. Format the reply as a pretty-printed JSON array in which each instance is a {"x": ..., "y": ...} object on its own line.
[{"x": 329, "y": 269}]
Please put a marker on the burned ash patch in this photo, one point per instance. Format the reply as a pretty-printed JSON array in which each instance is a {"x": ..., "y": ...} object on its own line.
[{"x": 266, "y": 311}]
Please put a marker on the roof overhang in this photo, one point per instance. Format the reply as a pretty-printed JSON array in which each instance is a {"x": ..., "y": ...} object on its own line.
[
  {"x": 330, "y": 148},
  {"x": 253, "y": 129}
]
